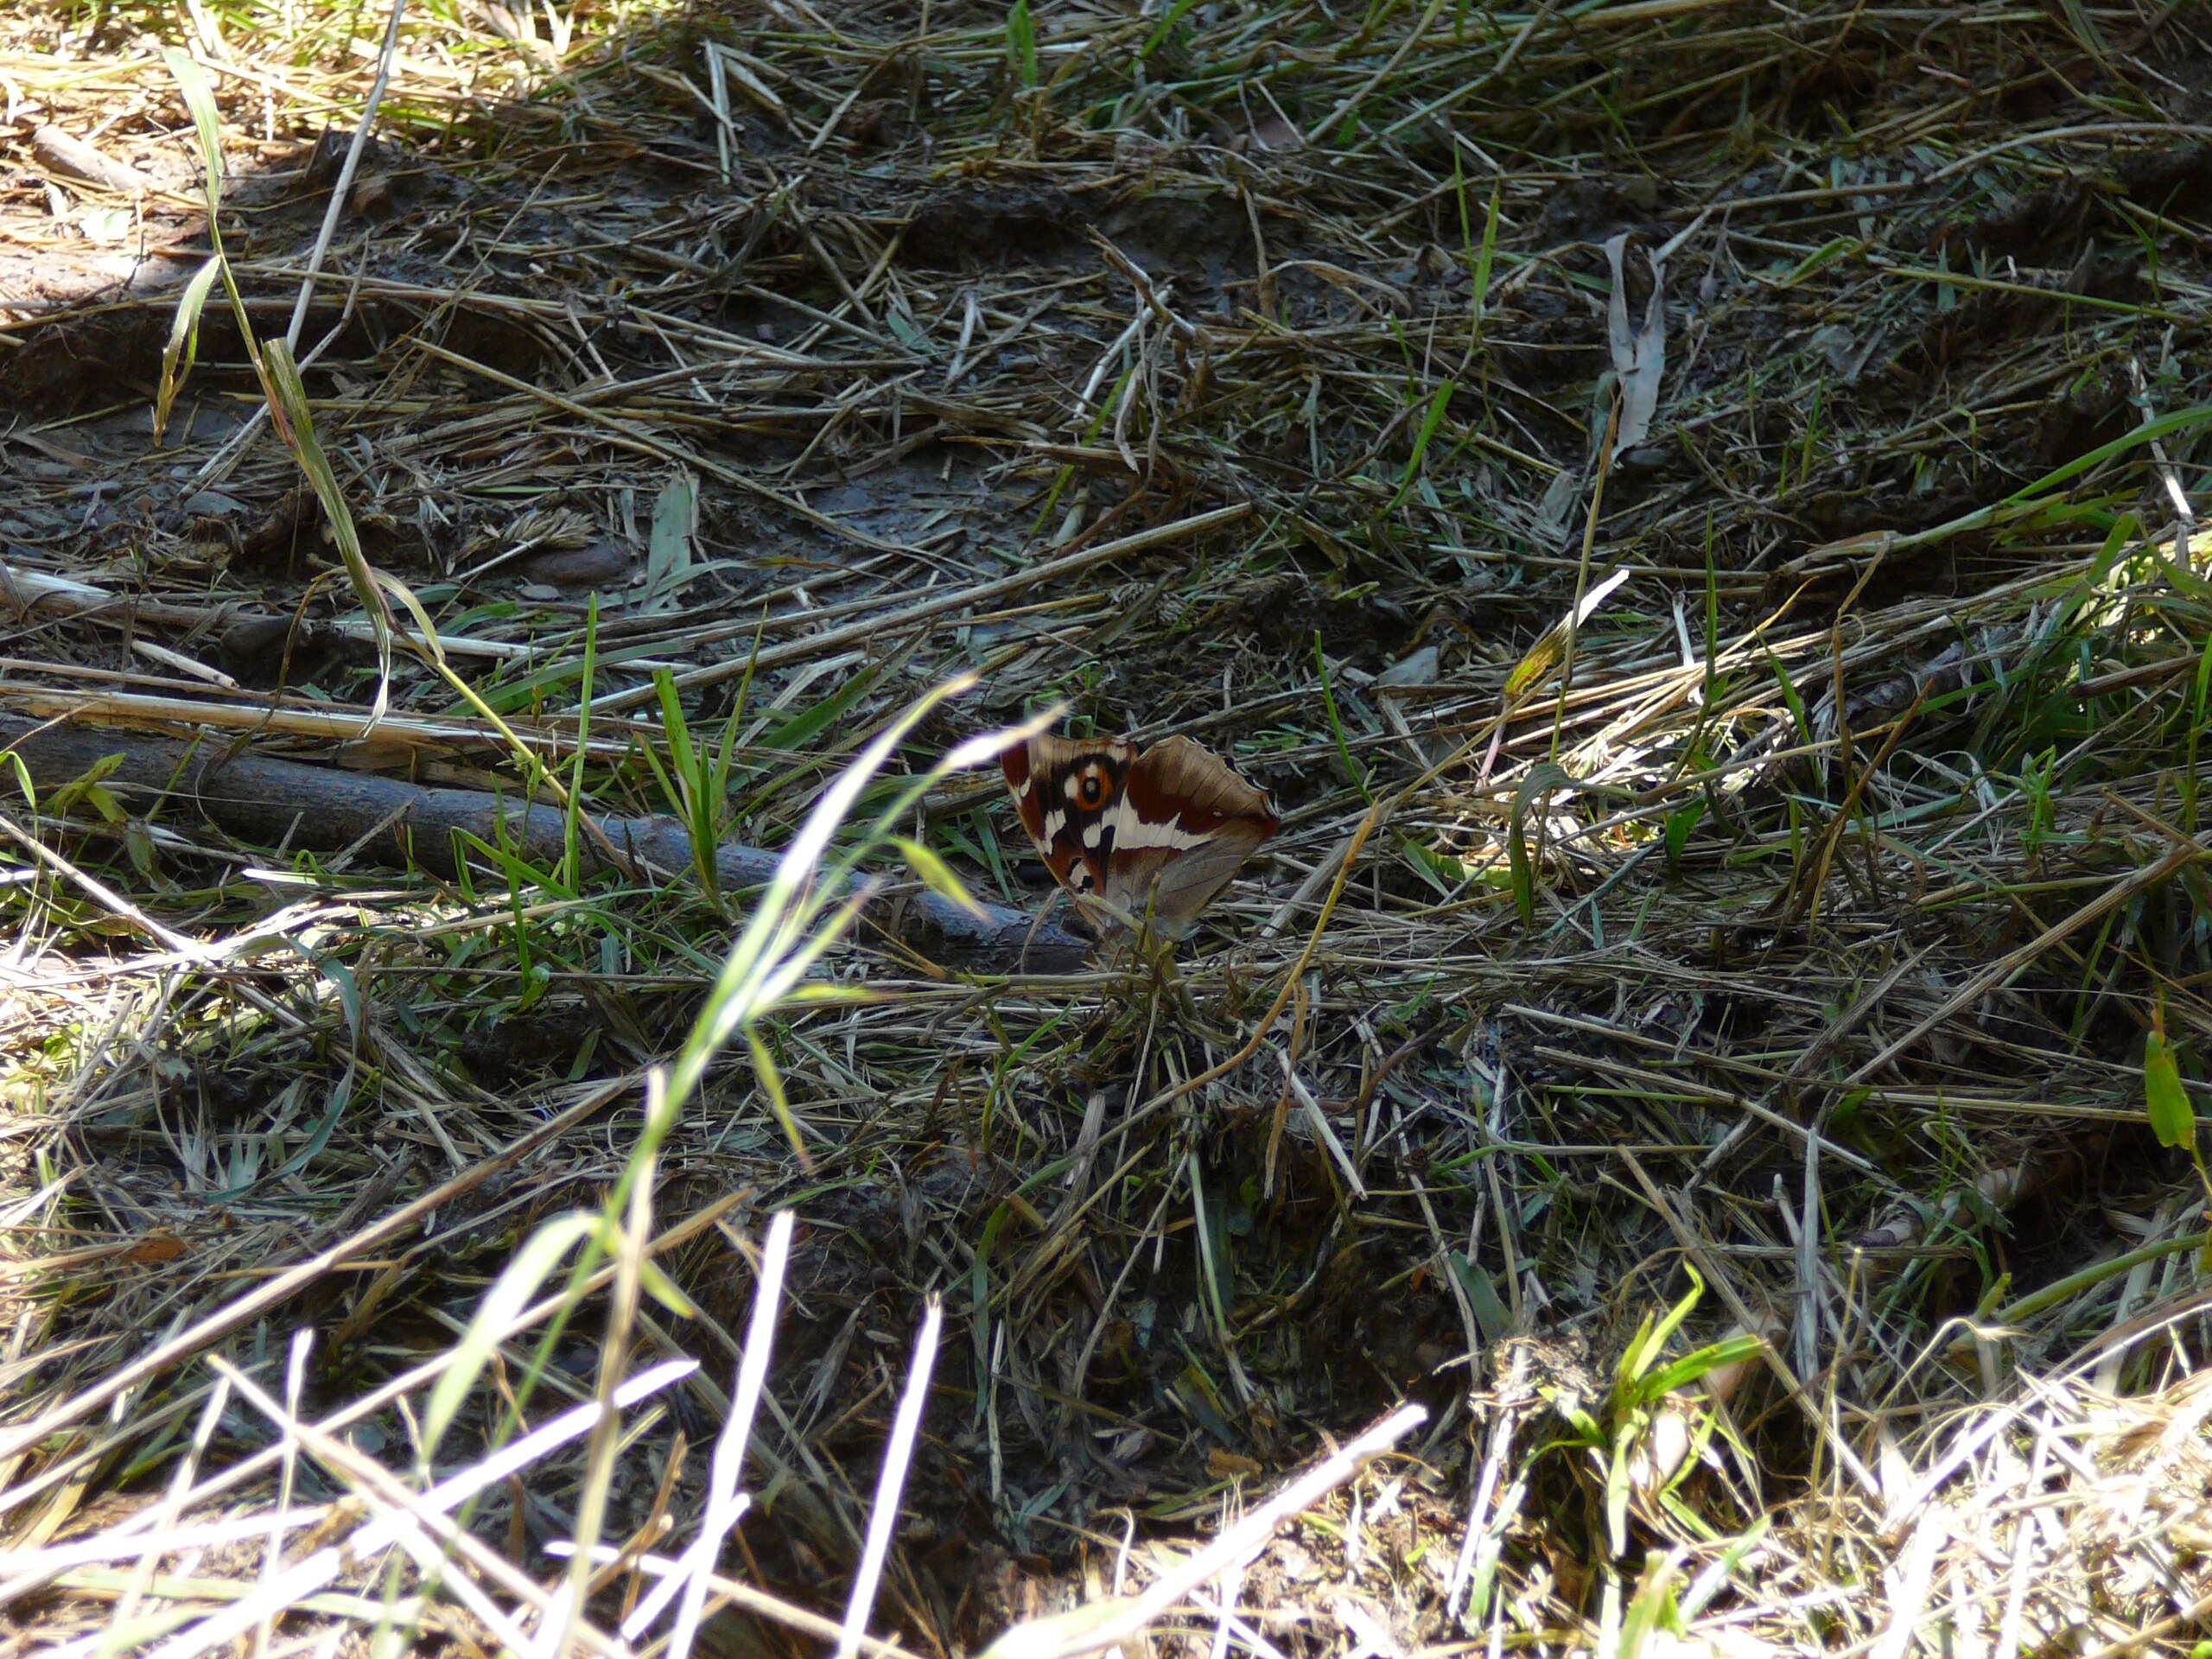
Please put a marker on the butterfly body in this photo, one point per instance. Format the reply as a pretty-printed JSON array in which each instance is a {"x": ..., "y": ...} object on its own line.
[{"x": 1134, "y": 834}]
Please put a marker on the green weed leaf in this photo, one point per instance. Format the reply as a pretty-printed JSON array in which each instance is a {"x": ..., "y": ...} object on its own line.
[
  {"x": 937, "y": 875},
  {"x": 2173, "y": 1119}
]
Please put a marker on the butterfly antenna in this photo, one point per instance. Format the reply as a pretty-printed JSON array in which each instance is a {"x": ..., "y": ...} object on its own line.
[{"x": 1037, "y": 925}]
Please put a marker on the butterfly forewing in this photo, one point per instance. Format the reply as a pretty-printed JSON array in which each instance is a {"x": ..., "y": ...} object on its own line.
[{"x": 1067, "y": 793}]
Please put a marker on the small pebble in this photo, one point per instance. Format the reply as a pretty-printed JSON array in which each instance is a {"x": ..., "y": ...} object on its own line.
[
  {"x": 1419, "y": 669},
  {"x": 600, "y": 565}
]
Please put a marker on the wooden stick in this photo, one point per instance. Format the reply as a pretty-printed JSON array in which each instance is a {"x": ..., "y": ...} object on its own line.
[{"x": 411, "y": 826}]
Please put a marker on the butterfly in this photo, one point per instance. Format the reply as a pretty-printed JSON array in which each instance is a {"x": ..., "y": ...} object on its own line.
[{"x": 1134, "y": 835}]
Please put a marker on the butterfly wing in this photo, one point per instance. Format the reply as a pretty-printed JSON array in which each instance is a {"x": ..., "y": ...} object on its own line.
[
  {"x": 1188, "y": 824},
  {"x": 1161, "y": 832},
  {"x": 1066, "y": 792}
]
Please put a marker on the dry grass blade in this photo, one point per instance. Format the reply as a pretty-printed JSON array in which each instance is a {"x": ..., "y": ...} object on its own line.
[{"x": 1101, "y": 1625}]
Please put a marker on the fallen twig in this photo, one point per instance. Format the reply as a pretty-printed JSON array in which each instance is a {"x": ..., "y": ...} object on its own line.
[{"x": 393, "y": 821}]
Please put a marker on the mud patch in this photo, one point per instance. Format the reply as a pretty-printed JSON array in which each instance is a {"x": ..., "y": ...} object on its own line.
[{"x": 976, "y": 223}]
